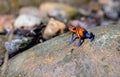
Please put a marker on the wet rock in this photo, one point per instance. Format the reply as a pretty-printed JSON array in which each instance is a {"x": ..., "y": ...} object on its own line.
[
  {"x": 53, "y": 27},
  {"x": 59, "y": 11},
  {"x": 6, "y": 23},
  {"x": 56, "y": 58},
  {"x": 26, "y": 21}
]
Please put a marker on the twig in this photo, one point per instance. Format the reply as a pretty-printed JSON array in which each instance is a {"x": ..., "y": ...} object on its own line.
[{"x": 5, "y": 64}]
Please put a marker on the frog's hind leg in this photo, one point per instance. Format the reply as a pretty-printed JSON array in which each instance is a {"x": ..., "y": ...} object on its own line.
[{"x": 90, "y": 36}]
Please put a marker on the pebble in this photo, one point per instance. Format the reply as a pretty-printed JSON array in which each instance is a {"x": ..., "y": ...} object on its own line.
[
  {"x": 26, "y": 21},
  {"x": 53, "y": 27}
]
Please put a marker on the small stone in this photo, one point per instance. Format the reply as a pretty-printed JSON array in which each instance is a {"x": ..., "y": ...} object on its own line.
[
  {"x": 26, "y": 21},
  {"x": 16, "y": 44},
  {"x": 53, "y": 27}
]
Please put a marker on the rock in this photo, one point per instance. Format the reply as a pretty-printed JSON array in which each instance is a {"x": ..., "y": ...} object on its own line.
[
  {"x": 111, "y": 9},
  {"x": 6, "y": 23},
  {"x": 59, "y": 11},
  {"x": 53, "y": 27},
  {"x": 93, "y": 12},
  {"x": 13, "y": 46},
  {"x": 56, "y": 58},
  {"x": 83, "y": 22},
  {"x": 30, "y": 10},
  {"x": 34, "y": 11},
  {"x": 26, "y": 21},
  {"x": 16, "y": 44}
]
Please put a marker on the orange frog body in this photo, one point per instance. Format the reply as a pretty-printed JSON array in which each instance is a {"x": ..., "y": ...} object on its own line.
[{"x": 81, "y": 34}]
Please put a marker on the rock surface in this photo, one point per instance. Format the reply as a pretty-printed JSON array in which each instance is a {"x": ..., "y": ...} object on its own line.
[{"x": 56, "y": 58}]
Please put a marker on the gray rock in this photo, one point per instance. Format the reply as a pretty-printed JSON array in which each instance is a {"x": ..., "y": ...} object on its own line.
[
  {"x": 56, "y": 58},
  {"x": 13, "y": 46},
  {"x": 16, "y": 44}
]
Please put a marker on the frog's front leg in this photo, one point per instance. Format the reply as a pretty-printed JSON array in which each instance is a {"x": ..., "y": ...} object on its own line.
[
  {"x": 80, "y": 42},
  {"x": 73, "y": 38}
]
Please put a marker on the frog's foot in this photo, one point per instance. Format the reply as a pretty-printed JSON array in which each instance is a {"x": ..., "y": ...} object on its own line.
[
  {"x": 80, "y": 43},
  {"x": 73, "y": 39}
]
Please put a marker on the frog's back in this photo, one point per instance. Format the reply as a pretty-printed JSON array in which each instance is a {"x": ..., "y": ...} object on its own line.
[{"x": 80, "y": 32}]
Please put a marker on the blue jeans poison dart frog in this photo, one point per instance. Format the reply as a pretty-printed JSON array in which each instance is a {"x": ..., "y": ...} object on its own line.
[{"x": 81, "y": 34}]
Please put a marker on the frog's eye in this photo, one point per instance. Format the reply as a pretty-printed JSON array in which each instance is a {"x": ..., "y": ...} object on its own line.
[{"x": 74, "y": 28}]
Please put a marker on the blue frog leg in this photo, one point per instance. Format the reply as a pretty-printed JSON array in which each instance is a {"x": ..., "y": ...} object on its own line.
[
  {"x": 90, "y": 36},
  {"x": 80, "y": 42},
  {"x": 73, "y": 38}
]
